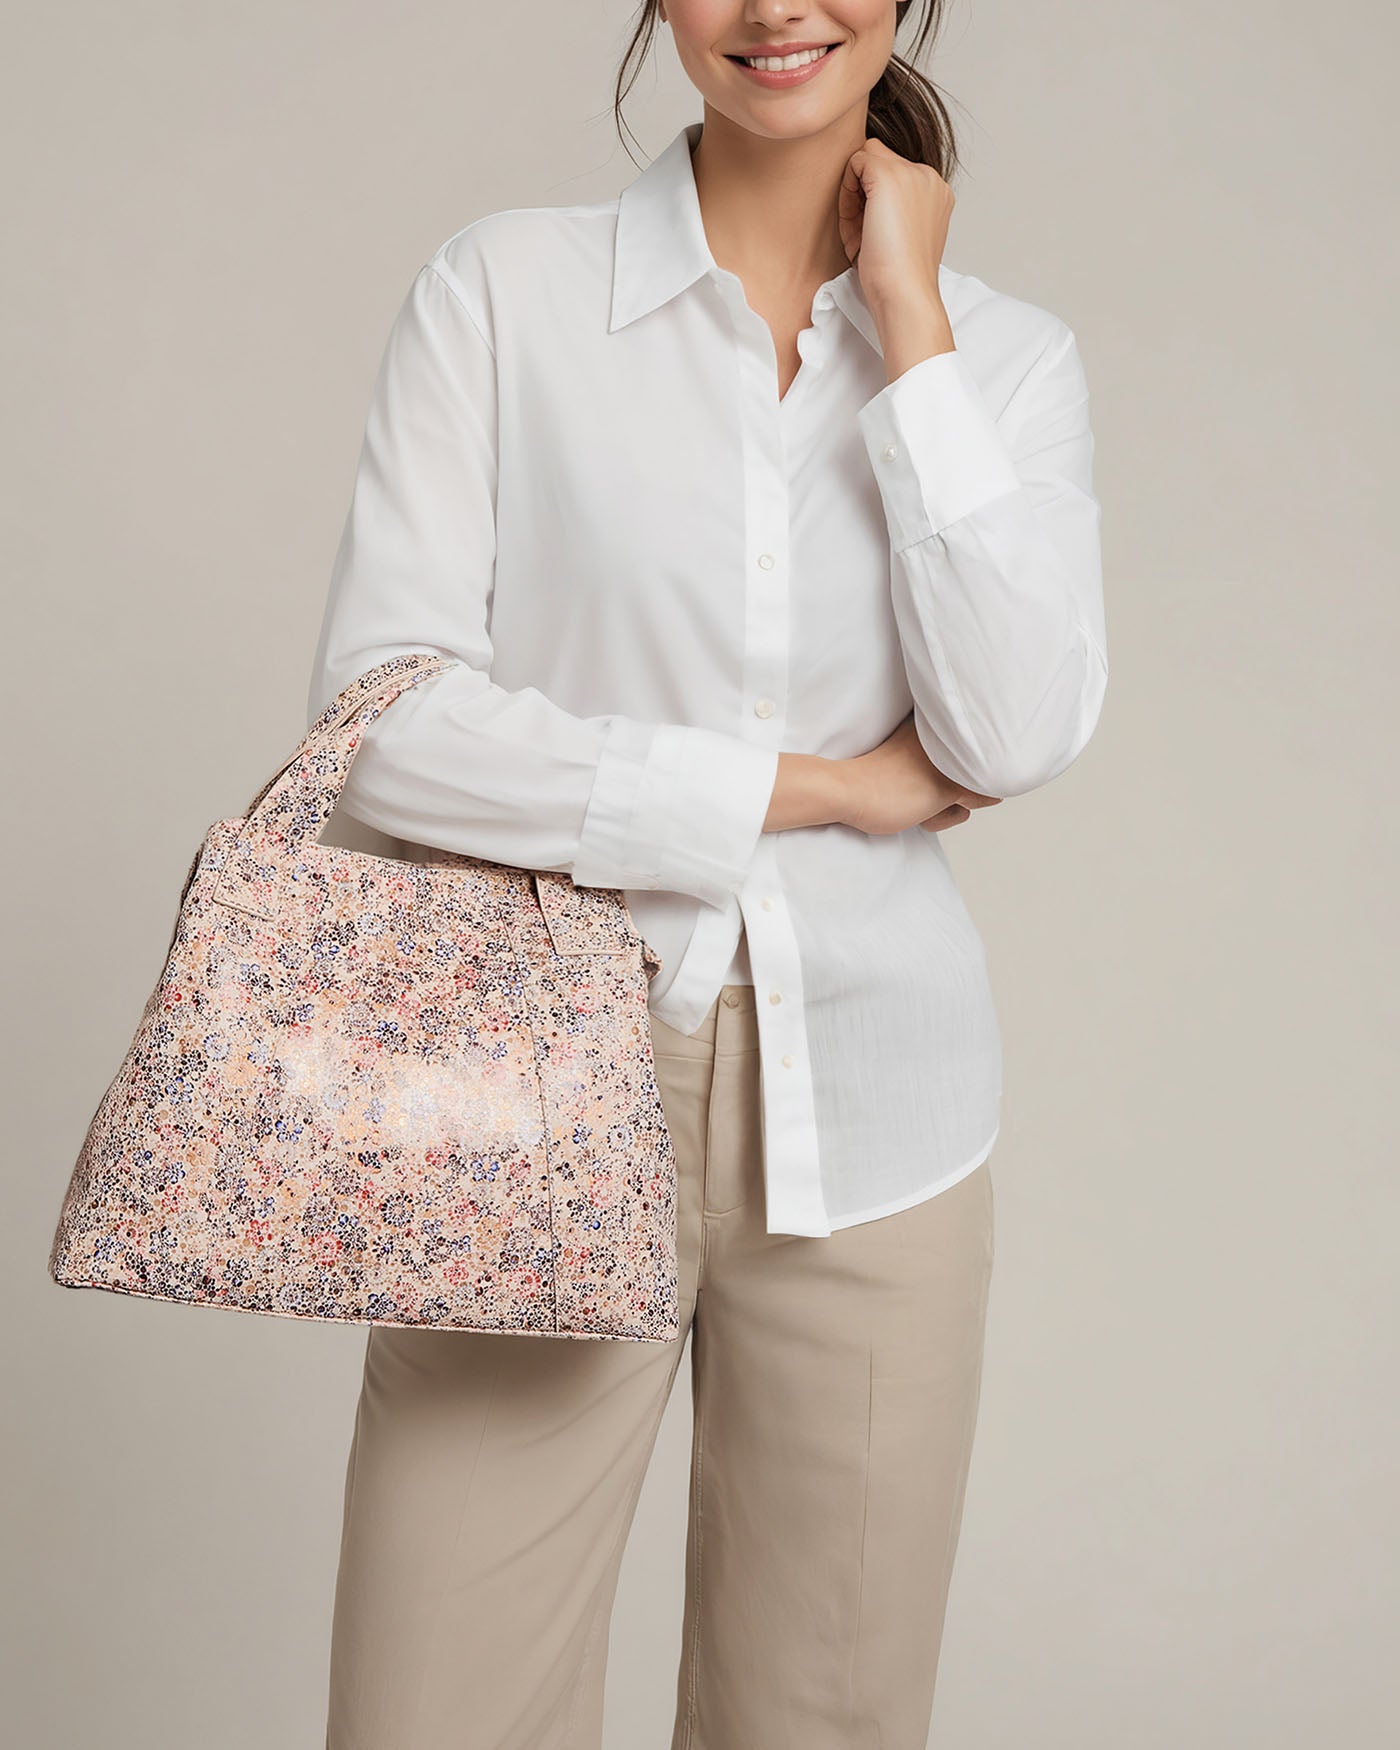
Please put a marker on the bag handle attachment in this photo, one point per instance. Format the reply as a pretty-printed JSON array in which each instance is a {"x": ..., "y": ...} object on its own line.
[{"x": 300, "y": 796}]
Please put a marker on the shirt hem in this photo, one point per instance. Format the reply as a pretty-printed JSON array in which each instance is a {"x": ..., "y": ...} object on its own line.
[{"x": 943, "y": 1184}]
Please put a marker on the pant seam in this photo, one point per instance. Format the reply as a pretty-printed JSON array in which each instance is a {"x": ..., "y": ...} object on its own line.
[
  {"x": 623, "y": 1526},
  {"x": 969, "y": 1425},
  {"x": 864, "y": 1515},
  {"x": 692, "y": 1699},
  {"x": 349, "y": 1503},
  {"x": 436, "y": 1629}
]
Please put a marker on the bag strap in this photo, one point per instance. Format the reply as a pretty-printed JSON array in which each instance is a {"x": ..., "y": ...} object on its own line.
[{"x": 300, "y": 796}]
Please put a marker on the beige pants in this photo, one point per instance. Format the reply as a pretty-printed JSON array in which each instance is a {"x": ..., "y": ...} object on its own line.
[{"x": 492, "y": 1478}]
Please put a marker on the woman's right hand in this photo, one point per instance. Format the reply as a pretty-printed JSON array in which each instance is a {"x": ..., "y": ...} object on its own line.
[{"x": 896, "y": 786}]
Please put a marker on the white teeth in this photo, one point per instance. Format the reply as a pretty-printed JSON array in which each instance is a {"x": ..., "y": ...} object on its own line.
[{"x": 776, "y": 63}]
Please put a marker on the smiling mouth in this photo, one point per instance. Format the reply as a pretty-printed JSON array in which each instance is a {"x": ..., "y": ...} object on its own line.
[{"x": 783, "y": 63}]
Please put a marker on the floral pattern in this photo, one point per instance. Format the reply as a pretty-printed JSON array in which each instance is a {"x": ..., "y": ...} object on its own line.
[{"x": 379, "y": 1091}]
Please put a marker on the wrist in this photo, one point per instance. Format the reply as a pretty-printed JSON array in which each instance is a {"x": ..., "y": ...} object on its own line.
[
  {"x": 911, "y": 330},
  {"x": 810, "y": 790},
  {"x": 843, "y": 790}
]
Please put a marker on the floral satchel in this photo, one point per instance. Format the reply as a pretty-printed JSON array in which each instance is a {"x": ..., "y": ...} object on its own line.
[{"x": 379, "y": 1091}]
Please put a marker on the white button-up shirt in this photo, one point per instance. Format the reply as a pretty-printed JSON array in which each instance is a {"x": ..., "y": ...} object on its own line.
[{"x": 578, "y": 478}]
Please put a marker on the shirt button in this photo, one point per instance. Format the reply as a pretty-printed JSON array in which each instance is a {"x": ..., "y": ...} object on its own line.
[
  {"x": 763, "y": 708},
  {"x": 889, "y": 452},
  {"x": 766, "y": 560},
  {"x": 789, "y": 1060},
  {"x": 775, "y": 996},
  {"x": 768, "y": 905}
]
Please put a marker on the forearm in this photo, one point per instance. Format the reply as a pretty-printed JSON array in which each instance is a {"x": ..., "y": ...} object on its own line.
[
  {"x": 995, "y": 567},
  {"x": 810, "y": 790}
]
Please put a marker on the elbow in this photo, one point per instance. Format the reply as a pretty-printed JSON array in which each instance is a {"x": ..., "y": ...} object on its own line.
[{"x": 1003, "y": 755}]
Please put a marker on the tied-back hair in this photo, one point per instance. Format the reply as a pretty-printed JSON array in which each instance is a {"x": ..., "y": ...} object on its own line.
[{"x": 907, "y": 112}]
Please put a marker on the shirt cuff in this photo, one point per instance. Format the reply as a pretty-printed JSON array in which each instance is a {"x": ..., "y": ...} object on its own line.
[
  {"x": 677, "y": 808},
  {"x": 935, "y": 448}
]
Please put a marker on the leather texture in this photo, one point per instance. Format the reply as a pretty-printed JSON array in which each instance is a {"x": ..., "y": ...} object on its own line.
[{"x": 372, "y": 1090}]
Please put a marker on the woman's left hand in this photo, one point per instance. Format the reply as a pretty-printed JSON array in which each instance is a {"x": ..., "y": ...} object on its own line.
[{"x": 894, "y": 216}]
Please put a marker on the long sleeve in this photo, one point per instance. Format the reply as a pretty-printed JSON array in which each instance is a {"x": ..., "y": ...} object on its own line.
[
  {"x": 996, "y": 572},
  {"x": 460, "y": 762}
]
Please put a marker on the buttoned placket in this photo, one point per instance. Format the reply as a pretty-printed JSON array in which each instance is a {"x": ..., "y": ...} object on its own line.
[{"x": 793, "y": 1187}]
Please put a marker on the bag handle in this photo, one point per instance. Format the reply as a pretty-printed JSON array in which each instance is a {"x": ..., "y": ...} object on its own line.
[{"x": 300, "y": 796}]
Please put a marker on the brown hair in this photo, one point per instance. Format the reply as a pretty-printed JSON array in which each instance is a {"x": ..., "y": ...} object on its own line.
[{"x": 906, "y": 108}]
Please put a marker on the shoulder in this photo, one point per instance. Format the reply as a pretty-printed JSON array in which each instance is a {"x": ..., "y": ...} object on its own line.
[
  {"x": 1004, "y": 330},
  {"x": 519, "y": 260}
]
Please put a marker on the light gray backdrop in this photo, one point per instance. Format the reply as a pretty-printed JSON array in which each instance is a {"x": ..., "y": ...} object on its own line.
[{"x": 1181, "y": 1522}]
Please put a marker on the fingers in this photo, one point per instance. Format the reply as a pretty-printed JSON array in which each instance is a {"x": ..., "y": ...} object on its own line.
[{"x": 953, "y": 815}]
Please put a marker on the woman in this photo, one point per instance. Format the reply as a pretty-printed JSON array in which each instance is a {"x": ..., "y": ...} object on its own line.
[{"x": 768, "y": 548}]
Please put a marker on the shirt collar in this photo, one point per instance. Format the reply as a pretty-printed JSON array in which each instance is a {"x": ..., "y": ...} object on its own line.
[{"x": 661, "y": 247}]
